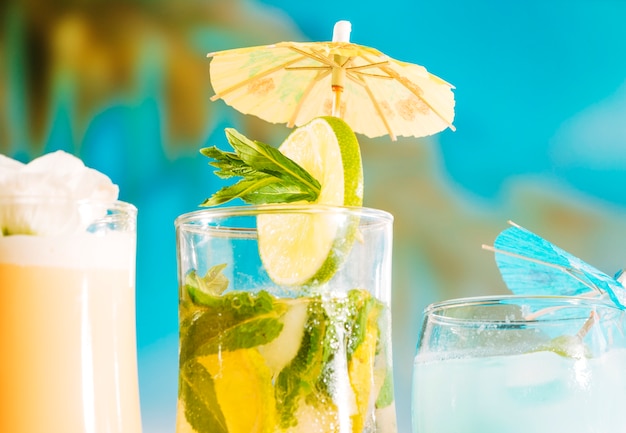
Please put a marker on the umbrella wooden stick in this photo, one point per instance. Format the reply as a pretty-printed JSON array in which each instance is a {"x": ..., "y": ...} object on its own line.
[
  {"x": 337, "y": 82},
  {"x": 358, "y": 69},
  {"x": 341, "y": 33},
  {"x": 336, "y": 108},
  {"x": 592, "y": 320},
  {"x": 313, "y": 54}
]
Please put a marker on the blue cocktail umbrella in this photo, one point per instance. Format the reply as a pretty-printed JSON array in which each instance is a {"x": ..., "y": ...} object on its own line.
[{"x": 530, "y": 265}]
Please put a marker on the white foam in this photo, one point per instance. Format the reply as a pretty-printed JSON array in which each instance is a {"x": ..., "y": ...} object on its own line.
[{"x": 77, "y": 251}]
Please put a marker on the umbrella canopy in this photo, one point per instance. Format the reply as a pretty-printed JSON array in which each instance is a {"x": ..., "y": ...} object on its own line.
[
  {"x": 531, "y": 265},
  {"x": 292, "y": 83}
]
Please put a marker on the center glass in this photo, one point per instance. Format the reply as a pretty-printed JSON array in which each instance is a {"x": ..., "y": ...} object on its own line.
[
  {"x": 298, "y": 355},
  {"x": 520, "y": 364}
]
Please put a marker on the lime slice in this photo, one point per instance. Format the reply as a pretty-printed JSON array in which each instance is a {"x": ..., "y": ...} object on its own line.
[
  {"x": 568, "y": 346},
  {"x": 299, "y": 249},
  {"x": 279, "y": 352}
]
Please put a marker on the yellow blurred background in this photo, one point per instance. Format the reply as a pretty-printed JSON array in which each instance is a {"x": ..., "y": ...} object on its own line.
[{"x": 540, "y": 140}]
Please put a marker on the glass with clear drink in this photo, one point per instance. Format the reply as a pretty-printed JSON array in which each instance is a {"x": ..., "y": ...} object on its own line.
[{"x": 520, "y": 364}]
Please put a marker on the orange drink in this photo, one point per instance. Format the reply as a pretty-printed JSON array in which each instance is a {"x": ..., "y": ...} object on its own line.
[{"x": 67, "y": 328}]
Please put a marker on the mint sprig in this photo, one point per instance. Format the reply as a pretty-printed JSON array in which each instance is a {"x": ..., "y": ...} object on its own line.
[
  {"x": 202, "y": 410},
  {"x": 267, "y": 175},
  {"x": 237, "y": 320}
]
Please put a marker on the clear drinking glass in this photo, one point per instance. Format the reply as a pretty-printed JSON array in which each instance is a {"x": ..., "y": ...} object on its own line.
[
  {"x": 67, "y": 317},
  {"x": 301, "y": 354},
  {"x": 520, "y": 364}
]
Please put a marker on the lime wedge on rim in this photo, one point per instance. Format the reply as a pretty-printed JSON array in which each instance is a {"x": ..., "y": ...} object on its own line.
[{"x": 298, "y": 249}]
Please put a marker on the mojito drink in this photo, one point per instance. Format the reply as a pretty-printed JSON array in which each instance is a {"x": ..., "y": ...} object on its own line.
[
  {"x": 322, "y": 356},
  {"x": 256, "y": 356}
]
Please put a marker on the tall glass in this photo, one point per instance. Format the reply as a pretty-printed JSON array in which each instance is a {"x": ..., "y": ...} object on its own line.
[
  {"x": 520, "y": 364},
  {"x": 258, "y": 355},
  {"x": 67, "y": 317}
]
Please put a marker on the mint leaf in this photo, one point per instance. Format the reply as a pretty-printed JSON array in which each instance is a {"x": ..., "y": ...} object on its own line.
[
  {"x": 259, "y": 189},
  {"x": 228, "y": 164},
  {"x": 268, "y": 175},
  {"x": 360, "y": 305},
  {"x": 229, "y": 322},
  {"x": 268, "y": 159},
  {"x": 213, "y": 283},
  {"x": 244, "y": 335},
  {"x": 202, "y": 410},
  {"x": 365, "y": 311}
]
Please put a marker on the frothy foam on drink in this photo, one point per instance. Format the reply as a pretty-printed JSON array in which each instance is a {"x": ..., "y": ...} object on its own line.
[{"x": 40, "y": 198}]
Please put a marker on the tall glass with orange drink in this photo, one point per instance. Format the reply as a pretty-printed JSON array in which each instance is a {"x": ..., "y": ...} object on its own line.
[{"x": 67, "y": 310}]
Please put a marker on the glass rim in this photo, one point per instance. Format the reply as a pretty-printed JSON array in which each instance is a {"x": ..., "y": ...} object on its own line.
[
  {"x": 267, "y": 209},
  {"x": 435, "y": 309},
  {"x": 33, "y": 198}
]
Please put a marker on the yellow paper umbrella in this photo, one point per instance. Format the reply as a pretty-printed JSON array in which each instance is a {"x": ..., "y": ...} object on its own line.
[{"x": 294, "y": 82}]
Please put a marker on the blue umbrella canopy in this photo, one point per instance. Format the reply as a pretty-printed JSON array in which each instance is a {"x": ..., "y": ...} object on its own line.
[{"x": 531, "y": 265}]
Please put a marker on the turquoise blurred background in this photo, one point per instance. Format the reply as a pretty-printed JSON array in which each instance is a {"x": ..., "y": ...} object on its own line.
[{"x": 540, "y": 139}]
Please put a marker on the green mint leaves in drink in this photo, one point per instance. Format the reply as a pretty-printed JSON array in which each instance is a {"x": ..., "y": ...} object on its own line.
[{"x": 242, "y": 323}]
